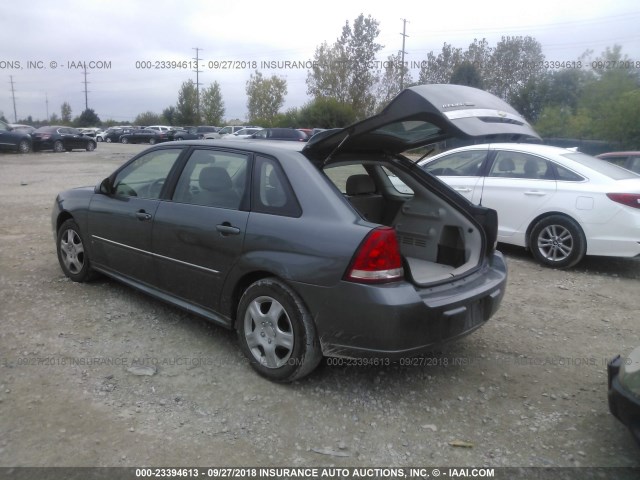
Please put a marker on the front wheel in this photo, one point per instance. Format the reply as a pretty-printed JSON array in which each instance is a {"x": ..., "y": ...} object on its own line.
[
  {"x": 91, "y": 147},
  {"x": 152, "y": 141},
  {"x": 276, "y": 332},
  {"x": 557, "y": 241},
  {"x": 108, "y": 140},
  {"x": 72, "y": 254},
  {"x": 124, "y": 140}
]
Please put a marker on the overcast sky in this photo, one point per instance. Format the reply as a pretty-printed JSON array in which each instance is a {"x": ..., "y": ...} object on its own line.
[{"x": 56, "y": 35}]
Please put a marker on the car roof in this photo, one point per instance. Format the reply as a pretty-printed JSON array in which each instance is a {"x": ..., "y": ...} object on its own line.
[{"x": 267, "y": 147}]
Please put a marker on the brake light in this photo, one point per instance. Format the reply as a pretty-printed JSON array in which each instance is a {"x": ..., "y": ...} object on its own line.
[
  {"x": 628, "y": 199},
  {"x": 377, "y": 260}
]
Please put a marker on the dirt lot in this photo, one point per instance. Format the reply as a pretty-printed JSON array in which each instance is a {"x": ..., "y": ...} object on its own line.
[{"x": 528, "y": 389}]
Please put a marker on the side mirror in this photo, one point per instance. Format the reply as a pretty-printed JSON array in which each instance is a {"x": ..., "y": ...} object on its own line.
[{"x": 105, "y": 187}]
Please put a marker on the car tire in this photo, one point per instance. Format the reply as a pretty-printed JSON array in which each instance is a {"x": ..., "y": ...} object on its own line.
[
  {"x": 152, "y": 141},
  {"x": 276, "y": 332},
  {"x": 108, "y": 140},
  {"x": 72, "y": 253},
  {"x": 91, "y": 146},
  {"x": 124, "y": 140},
  {"x": 58, "y": 147},
  {"x": 24, "y": 146},
  {"x": 99, "y": 139},
  {"x": 557, "y": 241}
]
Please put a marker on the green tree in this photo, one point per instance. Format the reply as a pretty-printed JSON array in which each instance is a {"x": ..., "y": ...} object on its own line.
[
  {"x": 439, "y": 69},
  {"x": 88, "y": 118},
  {"x": 467, "y": 74},
  {"x": 149, "y": 118},
  {"x": 265, "y": 97},
  {"x": 326, "y": 113},
  {"x": 53, "y": 119},
  {"x": 211, "y": 105},
  {"x": 389, "y": 84},
  {"x": 187, "y": 106},
  {"x": 514, "y": 62},
  {"x": 170, "y": 114},
  {"x": 65, "y": 113},
  {"x": 344, "y": 70}
]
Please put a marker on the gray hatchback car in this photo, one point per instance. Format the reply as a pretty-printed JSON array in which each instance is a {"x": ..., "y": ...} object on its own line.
[{"x": 307, "y": 250}]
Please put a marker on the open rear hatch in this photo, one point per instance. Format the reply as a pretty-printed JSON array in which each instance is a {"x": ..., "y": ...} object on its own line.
[{"x": 440, "y": 234}]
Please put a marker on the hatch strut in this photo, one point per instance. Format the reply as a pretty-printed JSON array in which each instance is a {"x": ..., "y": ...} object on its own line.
[
  {"x": 429, "y": 152},
  {"x": 335, "y": 150}
]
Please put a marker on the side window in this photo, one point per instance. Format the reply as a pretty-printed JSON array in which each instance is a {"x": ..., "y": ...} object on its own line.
[
  {"x": 272, "y": 192},
  {"x": 261, "y": 133},
  {"x": 145, "y": 176},
  {"x": 567, "y": 175},
  {"x": 520, "y": 165},
  {"x": 213, "y": 178},
  {"x": 459, "y": 164},
  {"x": 634, "y": 164},
  {"x": 339, "y": 175}
]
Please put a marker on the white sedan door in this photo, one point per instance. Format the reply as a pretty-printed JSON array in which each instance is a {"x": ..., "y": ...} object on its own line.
[{"x": 517, "y": 186}]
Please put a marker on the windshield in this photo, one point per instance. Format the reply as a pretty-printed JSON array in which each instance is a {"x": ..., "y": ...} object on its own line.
[{"x": 601, "y": 166}]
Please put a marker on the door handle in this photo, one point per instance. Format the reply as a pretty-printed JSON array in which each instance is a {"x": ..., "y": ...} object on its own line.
[
  {"x": 462, "y": 189},
  {"x": 143, "y": 216},
  {"x": 227, "y": 229},
  {"x": 536, "y": 193}
]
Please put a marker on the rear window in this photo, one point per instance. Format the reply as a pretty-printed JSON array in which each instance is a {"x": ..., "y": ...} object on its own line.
[
  {"x": 410, "y": 131},
  {"x": 601, "y": 166}
]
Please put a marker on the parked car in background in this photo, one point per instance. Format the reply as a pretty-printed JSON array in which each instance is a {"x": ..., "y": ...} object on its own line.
[
  {"x": 100, "y": 136},
  {"x": 159, "y": 128},
  {"x": 628, "y": 160},
  {"x": 624, "y": 390},
  {"x": 228, "y": 130},
  {"x": 560, "y": 204},
  {"x": 244, "y": 133},
  {"x": 192, "y": 133},
  {"x": 60, "y": 139},
  {"x": 253, "y": 236},
  {"x": 144, "y": 135},
  {"x": 290, "y": 134},
  {"x": 89, "y": 131},
  {"x": 18, "y": 127},
  {"x": 113, "y": 134},
  {"x": 14, "y": 140}
]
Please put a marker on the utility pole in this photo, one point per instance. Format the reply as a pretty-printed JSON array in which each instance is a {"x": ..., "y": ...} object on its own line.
[
  {"x": 197, "y": 71},
  {"x": 13, "y": 95},
  {"x": 86, "y": 97},
  {"x": 46, "y": 101},
  {"x": 402, "y": 69}
]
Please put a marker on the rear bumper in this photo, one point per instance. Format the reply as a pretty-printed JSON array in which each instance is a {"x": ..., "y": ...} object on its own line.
[
  {"x": 622, "y": 404},
  {"x": 397, "y": 320}
]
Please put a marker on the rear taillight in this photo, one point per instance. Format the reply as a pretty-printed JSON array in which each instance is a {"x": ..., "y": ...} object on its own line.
[
  {"x": 377, "y": 260},
  {"x": 628, "y": 199}
]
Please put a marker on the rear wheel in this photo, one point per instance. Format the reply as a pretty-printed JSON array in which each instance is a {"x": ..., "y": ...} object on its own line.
[
  {"x": 276, "y": 332},
  {"x": 72, "y": 255},
  {"x": 557, "y": 241},
  {"x": 108, "y": 140},
  {"x": 58, "y": 147},
  {"x": 152, "y": 141},
  {"x": 124, "y": 140},
  {"x": 24, "y": 146},
  {"x": 91, "y": 147}
]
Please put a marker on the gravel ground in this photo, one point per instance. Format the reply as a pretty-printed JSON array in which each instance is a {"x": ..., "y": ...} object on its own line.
[{"x": 99, "y": 375}]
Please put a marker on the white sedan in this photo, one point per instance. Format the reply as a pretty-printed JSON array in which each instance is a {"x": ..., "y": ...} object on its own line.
[{"x": 560, "y": 204}]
